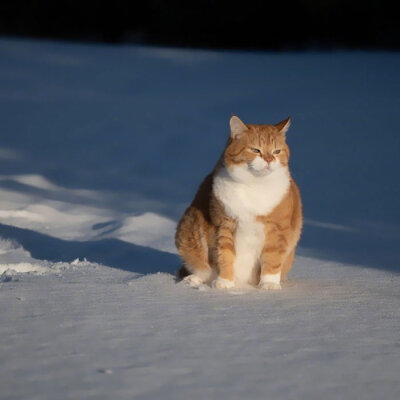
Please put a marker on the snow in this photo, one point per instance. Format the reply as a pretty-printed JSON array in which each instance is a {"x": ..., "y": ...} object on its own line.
[{"x": 102, "y": 148}]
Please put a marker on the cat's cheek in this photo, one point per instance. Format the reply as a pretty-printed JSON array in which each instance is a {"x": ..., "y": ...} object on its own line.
[{"x": 275, "y": 165}]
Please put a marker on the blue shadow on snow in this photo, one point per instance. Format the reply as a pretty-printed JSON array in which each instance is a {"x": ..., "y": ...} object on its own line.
[{"x": 111, "y": 252}]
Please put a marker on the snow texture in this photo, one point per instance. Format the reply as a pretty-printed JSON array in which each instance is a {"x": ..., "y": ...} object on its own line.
[{"x": 101, "y": 150}]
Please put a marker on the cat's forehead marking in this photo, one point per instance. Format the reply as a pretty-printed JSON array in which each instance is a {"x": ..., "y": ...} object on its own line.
[{"x": 264, "y": 135}]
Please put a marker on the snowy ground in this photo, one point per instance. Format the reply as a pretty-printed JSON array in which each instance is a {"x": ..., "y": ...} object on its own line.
[{"x": 102, "y": 147}]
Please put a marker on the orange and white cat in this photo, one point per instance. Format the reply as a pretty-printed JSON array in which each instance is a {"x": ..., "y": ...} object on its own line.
[{"x": 244, "y": 223}]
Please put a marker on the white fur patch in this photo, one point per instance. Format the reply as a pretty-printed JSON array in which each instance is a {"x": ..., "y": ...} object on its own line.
[
  {"x": 244, "y": 197},
  {"x": 258, "y": 164},
  {"x": 259, "y": 167},
  {"x": 204, "y": 276},
  {"x": 221, "y": 283},
  {"x": 270, "y": 286},
  {"x": 248, "y": 242},
  {"x": 192, "y": 280},
  {"x": 271, "y": 281},
  {"x": 272, "y": 278}
]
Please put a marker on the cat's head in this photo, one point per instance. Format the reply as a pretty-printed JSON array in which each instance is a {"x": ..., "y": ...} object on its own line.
[{"x": 256, "y": 150}]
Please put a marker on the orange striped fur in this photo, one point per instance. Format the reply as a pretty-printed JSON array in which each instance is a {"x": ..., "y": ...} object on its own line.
[{"x": 245, "y": 221}]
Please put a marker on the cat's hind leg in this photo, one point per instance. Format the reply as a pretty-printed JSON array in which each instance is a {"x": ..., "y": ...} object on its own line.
[
  {"x": 192, "y": 246},
  {"x": 193, "y": 281},
  {"x": 190, "y": 279},
  {"x": 197, "y": 268},
  {"x": 287, "y": 264}
]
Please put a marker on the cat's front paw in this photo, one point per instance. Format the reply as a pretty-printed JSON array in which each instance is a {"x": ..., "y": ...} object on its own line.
[
  {"x": 270, "y": 286},
  {"x": 221, "y": 283},
  {"x": 270, "y": 281}
]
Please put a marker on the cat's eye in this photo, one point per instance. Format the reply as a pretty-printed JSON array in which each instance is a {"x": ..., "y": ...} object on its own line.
[
  {"x": 254, "y": 150},
  {"x": 277, "y": 151}
]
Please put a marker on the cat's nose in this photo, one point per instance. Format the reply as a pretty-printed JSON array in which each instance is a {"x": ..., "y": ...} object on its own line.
[{"x": 269, "y": 158}]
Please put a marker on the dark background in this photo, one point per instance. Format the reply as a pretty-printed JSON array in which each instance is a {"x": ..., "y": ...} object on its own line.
[{"x": 301, "y": 24}]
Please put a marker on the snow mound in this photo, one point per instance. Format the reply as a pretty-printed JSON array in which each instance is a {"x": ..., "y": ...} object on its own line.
[
  {"x": 14, "y": 259},
  {"x": 23, "y": 268}
]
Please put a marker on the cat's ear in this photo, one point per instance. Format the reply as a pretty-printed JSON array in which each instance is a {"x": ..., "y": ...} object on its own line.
[
  {"x": 237, "y": 127},
  {"x": 283, "y": 126}
]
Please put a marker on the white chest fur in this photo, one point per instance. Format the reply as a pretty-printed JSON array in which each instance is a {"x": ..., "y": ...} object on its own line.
[{"x": 244, "y": 197}]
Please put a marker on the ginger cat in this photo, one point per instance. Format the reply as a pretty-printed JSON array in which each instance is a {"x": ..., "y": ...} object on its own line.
[{"x": 245, "y": 221}]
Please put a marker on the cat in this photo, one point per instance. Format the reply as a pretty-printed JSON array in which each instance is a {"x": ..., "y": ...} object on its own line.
[{"x": 245, "y": 221}]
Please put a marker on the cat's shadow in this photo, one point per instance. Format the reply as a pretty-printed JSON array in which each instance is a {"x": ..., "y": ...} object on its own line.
[{"x": 110, "y": 252}]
